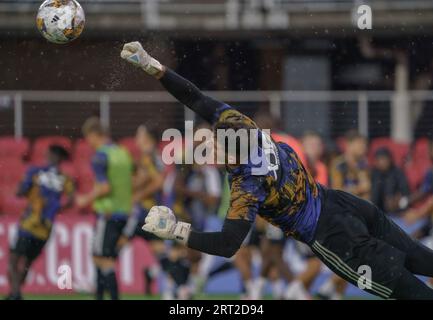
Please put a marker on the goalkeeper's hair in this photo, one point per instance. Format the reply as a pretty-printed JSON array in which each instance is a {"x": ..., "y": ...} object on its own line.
[{"x": 94, "y": 125}]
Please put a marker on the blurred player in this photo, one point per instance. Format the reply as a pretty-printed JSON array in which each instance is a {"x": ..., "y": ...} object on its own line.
[
  {"x": 273, "y": 267},
  {"x": 43, "y": 187},
  {"x": 243, "y": 259},
  {"x": 388, "y": 182},
  {"x": 206, "y": 271},
  {"x": 313, "y": 147},
  {"x": 299, "y": 288},
  {"x": 111, "y": 199},
  {"x": 179, "y": 257},
  {"x": 344, "y": 231},
  {"x": 349, "y": 173},
  {"x": 425, "y": 193},
  {"x": 147, "y": 187},
  {"x": 198, "y": 187}
]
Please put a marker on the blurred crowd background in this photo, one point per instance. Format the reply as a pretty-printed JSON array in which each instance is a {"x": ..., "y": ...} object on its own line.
[{"x": 355, "y": 104}]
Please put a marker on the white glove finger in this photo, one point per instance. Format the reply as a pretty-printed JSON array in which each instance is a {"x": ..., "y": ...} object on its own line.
[
  {"x": 148, "y": 228},
  {"x": 133, "y": 46},
  {"x": 154, "y": 210},
  {"x": 149, "y": 219},
  {"x": 164, "y": 210},
  {"x": 125, "y": 54},
  {"x": 129, "y": 47}
]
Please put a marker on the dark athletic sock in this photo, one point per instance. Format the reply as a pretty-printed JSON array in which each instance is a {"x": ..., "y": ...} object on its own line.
[
  {"x": 100, "y": 285},
  {"x": 111, "y": 284},
  {"x": 164, "y": 262},
  {"x": 148, "y": 283},
  {"x": 179, "y": 271}
]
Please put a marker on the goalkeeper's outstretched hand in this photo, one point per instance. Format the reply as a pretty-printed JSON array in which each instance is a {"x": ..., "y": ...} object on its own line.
[
  {"x": 134, "y": 53},
  {"x": 162, "y": 222}
]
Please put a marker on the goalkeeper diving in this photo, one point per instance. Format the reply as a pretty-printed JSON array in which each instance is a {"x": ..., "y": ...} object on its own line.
[{"x": 348, "y": 234}]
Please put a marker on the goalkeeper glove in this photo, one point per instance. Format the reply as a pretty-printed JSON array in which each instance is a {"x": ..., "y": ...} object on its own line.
[
  {"x": 134, "y": 53},
  {"x": 161, "y": 222}
]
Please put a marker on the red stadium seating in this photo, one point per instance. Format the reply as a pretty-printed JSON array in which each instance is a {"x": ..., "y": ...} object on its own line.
[
  {"x": 42, "y": 144},
  {"x": 13, "y": 205},
  {"x": 85, "y": 178},
  {"x": 129, "y": 143},
  {"x": 13, "y": 148},
  {"x": 421, "y": 150},
  {"x": 82, "y": 152},
  {"x": 419, "y": 163},
  {"x": 12, "y": 173},
  {"x": 69, "y": 169}
]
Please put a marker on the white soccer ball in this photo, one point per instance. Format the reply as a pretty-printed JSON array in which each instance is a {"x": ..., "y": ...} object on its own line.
[{"x": 60, "y": 21}]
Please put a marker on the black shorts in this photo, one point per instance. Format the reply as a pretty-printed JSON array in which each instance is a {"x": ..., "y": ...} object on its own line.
[
  {"x": 133, "y": 229},
  {"x": 353, "y": 235},
  {"x": 107, "y": 233},
  {"x": 28, "y": 247}
]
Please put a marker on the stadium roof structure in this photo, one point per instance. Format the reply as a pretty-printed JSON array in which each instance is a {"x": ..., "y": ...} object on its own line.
[{"x": 236, "y": 16}]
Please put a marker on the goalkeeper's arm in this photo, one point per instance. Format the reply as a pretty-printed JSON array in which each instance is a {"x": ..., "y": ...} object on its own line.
[
  {"x": 183, "y": 90},
  {"x": 162, "y": 222},
  {"x": 224, "y": 243}
]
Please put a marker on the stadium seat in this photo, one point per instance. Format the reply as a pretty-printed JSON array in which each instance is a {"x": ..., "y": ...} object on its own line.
[
  {"x": 13, "y": 205},
  {"x": 85, "y": 178},
  {"x": 421, "y": 149},
  {"x": 82, "y": 152},
  {"x": 414, "y": 176},
  {"x": 13, "y": 148},
  {"x": 400, "y": 152},
  {"x": 12, "y": 174},
  {"x": 42, "y": 144},
  {"x": 69, "y": 169},
  {"x": 129, "y": 143},
  {"x": 419, "y": 163}
]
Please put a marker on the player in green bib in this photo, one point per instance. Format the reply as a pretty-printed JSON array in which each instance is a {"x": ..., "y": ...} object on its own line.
[{"x": 111, "y": 199}]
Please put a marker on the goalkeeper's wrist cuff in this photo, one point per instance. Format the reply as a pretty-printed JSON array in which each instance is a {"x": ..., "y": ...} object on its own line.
[{"x": 181, "y": 232}]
